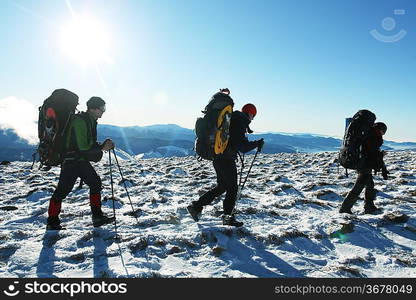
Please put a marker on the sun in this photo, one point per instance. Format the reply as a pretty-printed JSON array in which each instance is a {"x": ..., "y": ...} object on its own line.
[{"x": 85, "y": 40}]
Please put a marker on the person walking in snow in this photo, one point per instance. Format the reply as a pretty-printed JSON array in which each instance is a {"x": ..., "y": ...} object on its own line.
[
  {"x": 226, "y": 169},
  {"x": 373, "y": 161},
  {"x": 81, "y": 147}
]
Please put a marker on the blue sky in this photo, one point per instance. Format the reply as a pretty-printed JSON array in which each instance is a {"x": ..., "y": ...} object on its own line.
[{"x": 305, "y": 64}]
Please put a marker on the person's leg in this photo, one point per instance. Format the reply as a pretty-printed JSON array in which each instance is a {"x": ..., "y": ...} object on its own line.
[
  {"x": 67, "y": 178},
  {"x": 231, "y": 185},
  {"x": 370, "y": 195},
  {"x": 355, "y": 192},
  {"x": 196, "y": 207},
  {"x": 91, "y": 178},
  {"x": 218, "y": 190}
]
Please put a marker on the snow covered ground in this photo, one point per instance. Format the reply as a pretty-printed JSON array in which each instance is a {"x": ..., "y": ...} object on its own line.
[{"x": 289, "y": 206}]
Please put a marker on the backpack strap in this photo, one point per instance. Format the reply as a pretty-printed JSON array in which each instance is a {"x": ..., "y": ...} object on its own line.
[
  {"x": 91, "y": 133},
  {"x": 74, "y": 154}
]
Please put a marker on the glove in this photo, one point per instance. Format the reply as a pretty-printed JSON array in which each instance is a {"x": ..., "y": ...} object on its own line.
[
  {"x": 385, "y": 173},
  {"x": 260, "y": 144},
  {"x": 107, "y": 145}
]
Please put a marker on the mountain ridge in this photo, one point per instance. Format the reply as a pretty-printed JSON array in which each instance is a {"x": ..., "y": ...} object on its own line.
[{"x": 166, "y": 140}]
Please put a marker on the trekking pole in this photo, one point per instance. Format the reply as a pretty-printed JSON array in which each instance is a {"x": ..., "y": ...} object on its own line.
[
  {"x": 240, "y": 187},
  {"x": 255, "y": 156},
  {"x": 242, "y": 167},
  {"x": 124, "y": 183},
  {"x": 34, "y": 158},
  {"x": 112, "y": 193},
  {"x": 241, "y": 175}
]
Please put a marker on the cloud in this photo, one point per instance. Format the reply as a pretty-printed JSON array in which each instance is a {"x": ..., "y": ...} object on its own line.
[{"x": 21, "y": 116}]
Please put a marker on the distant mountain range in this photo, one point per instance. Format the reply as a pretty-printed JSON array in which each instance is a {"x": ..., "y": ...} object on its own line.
[
  {"x": 12, "y": 147},
  {"x": 172, "y": 140}
]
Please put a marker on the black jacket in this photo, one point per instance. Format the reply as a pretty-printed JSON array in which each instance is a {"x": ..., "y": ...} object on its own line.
[{"x": 238, "y": 140}]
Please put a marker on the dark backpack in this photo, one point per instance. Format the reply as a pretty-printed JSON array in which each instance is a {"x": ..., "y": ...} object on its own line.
[
  {"x": 212, "y": 130},
  {"x": 54, "y": 117},
  {"x": 351, "y": 155}
]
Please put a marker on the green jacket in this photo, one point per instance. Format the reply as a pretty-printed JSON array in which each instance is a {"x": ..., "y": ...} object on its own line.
[{"x": 81, "y": 141}]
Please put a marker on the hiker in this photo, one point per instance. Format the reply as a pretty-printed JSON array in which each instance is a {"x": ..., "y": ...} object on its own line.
[
  {"x": 373, "y": 161},
  {"x": 226, "y": 169},
  {"x": 81, "y": 147}
]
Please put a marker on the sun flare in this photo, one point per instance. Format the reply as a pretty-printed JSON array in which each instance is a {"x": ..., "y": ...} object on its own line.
[{"x": 85, "y": 40}]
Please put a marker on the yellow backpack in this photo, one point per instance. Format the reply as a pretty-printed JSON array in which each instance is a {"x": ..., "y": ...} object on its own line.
[
  {"x": 222, "y": 134},
  {"x": 212, "y": 130}
]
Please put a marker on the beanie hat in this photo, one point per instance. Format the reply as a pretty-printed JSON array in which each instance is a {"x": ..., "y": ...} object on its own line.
[
  {"x": 249, "y": 109},
  {"x": 95, "y": 102},
  {"x": 380, "y": 126}
]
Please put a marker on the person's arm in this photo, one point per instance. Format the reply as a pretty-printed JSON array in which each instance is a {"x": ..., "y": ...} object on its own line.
[
  {"x": 374, "y": 154},
  {"x": 239, "y": 139}
]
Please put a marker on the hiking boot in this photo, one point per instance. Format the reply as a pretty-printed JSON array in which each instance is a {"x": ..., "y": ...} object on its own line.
[
  {"x": 53, "y": 223},
  {"x": 231, "y": 221},
  {"x": 345, "y": 210},
  {"x": 194, "y": 211},
  {"x": 102, "y": 219},
  {"x": 372, "y": 210},
  {"x": 348, "y": 203},
  {"x": 369, "y": 207}
]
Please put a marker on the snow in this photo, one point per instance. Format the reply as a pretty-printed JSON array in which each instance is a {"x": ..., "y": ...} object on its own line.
[{"x": 289, "y": 206}]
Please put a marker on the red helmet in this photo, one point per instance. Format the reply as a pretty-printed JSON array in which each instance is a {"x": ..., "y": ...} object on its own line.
[{"x": 249, "y": 109}]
